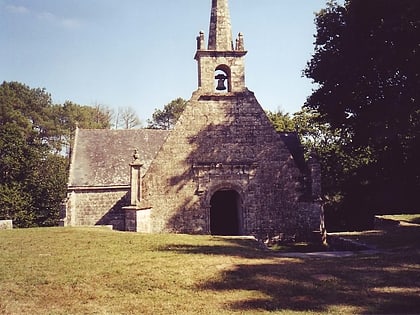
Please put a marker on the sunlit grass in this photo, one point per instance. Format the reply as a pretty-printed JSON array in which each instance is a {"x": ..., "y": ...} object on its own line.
[
  {"x": 98, "y": 271},
  {"x": 409, "y": 218},
  {"x": 389, "y": 234}
]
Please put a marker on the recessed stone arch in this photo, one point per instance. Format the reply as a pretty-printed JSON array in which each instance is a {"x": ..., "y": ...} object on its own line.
[
  {"x": 221, "y": 71},
  {"x": 226, "y": 209}
]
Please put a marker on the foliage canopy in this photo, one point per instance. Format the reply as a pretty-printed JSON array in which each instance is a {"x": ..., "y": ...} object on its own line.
[
  {"x": 167, "y": 117},
  {"x": 366, "y": 67}
]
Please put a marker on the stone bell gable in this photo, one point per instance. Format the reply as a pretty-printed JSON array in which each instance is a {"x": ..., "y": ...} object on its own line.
[
  {"x": 224, "y": 169},
  {"x": 221, "y": 59},
  {"x": 224, "y": 143}
]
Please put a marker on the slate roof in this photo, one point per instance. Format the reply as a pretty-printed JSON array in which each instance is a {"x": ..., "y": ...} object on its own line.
[
  {"x": 292, "y": 142},
  {"x": 101, "y": 157}
]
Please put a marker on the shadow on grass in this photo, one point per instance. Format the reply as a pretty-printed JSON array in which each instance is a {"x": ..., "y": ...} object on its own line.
[
  {"x": 387, "y": 283},
  {"x": 238, "y": 247},
  {"x": 415, "y": 220},
  {"x": 390, "y": 237},
  {"x": 366, "y": 285}
]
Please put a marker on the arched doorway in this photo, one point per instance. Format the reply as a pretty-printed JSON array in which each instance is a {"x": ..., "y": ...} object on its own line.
[{"x": 225, "y": 213}]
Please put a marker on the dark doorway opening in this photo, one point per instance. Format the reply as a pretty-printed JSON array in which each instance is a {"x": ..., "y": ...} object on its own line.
[{"x": 225, "y": 214}]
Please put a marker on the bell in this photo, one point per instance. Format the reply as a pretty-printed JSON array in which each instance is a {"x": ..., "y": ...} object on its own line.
[
  {"x": 221, "y": 82},
  {"x": 221, "y": 85}
]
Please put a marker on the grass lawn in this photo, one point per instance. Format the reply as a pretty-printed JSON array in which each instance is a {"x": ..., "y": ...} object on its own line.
[
  {"x": 99, "y": 271},
  {"x": 409, "y": 218}
]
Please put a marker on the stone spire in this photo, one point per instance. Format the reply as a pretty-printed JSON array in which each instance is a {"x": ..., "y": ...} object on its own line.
[{"x": 220, "y": 34}]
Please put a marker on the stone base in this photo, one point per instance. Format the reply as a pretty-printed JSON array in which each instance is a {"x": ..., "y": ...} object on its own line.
[
  {"x": 6, "y": 224},
  {"x": 136, "y": 219}
]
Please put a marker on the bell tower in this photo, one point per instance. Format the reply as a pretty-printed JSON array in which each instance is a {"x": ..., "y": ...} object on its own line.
[{"x": 220, "y": 64}]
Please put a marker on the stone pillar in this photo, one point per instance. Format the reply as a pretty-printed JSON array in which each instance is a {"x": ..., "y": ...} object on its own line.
[
  {"x": 316, "y": 189},
  {"x": 6, "y": 224},
  {"x": 200, "y": 41},
  {"x": 135, "y": 193},
  {"x": 240, "y": 42},
  {"x": 135, "y": 180}
]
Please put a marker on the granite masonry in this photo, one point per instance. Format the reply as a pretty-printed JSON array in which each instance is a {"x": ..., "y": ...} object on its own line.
[
  {"x": 6, "y": 224},
  {"x": 222, "y": 170}
]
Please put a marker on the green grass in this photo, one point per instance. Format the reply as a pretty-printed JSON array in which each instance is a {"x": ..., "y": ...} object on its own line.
[
  {"x": 409, "y": 218},
  {"x": 98, "y": 271},
  {"x": 300, "y": 247},
  {"x": 389, "y": 234}
]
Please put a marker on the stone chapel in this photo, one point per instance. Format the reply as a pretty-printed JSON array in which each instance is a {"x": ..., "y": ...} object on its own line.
[{"x": 222, "y": 170}]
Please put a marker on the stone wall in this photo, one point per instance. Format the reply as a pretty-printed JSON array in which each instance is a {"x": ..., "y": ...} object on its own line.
[
  {"x": 88, "y": 207},
  {"x": 310, "y": 218},
  {"x": 224, "y": 142}
]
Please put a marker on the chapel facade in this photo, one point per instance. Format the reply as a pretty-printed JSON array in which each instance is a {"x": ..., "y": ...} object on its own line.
[{"x": 222, "y": 170}]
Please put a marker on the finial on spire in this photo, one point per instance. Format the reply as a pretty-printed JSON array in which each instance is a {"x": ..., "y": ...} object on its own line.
[
  {"x": 136, "y": 154},
  {"x": 240, "y": 42},
  {"x": 200, "y": 41}
]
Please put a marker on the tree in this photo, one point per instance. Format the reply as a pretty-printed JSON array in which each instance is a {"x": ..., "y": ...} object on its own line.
[
  {"x": 126, "y": 118},
  {"x": 33, "y": 169},
  {"x": 166, "y": 118},
  {"x": 336, "y": 165},
  {"x": 87, "y": 117},
  {"x": 69, "y": 115},
  {"x": 28, "y": 136},
  {"x": 282, "y": 122},
  {"x": 366, "y": 67},
  {"x": 29, "y": 111},
  {"x": 46, "y": 185}
]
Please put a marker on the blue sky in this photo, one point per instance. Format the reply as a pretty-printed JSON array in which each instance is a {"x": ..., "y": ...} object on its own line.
[{"x": 139, "y": 53}]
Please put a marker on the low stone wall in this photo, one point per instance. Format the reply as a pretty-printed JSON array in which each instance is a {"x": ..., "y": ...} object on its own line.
[{"x": 6, "y": 224}]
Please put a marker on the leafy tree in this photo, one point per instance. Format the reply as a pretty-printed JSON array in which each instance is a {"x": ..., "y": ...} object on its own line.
[
  {"x": 16, "y": 204},
  {"x": 33, "y": 170},
  {"x": 28, "y": 110},
  {"x": 47, "y": 186},
  {"x": 87, "y": 117},
  {"x": 27, "y": 135},
  {"x": 166, "y": 118},
  {"x": 281, "y": 121},
  {"x": 366, "y": 68},
  {"x": 336, "y": 164},
  {"x": 69, "y": 115},
  {"x": 101, "y": 116}
]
